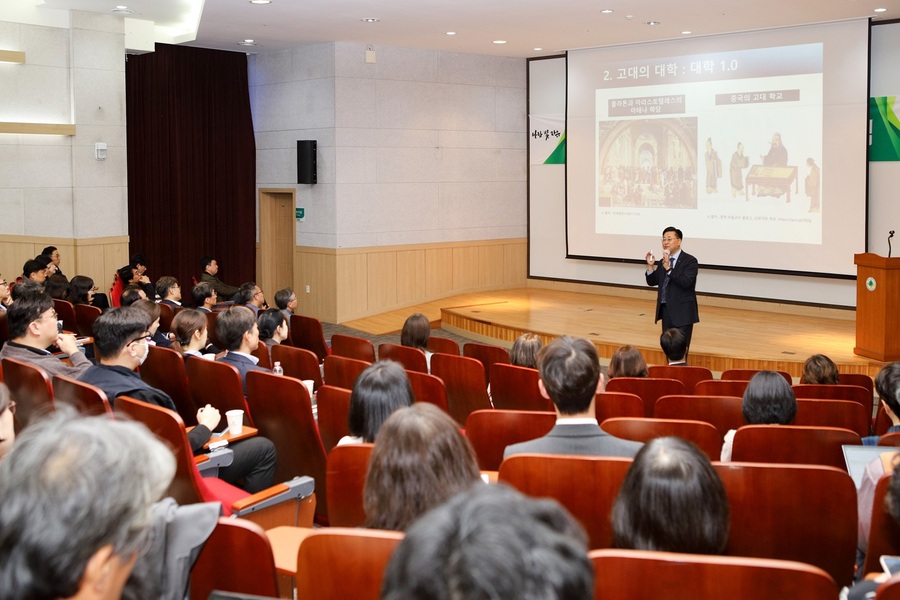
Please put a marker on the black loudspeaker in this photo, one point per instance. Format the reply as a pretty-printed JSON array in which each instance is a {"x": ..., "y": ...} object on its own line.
[{"x": 306, "y": 161}]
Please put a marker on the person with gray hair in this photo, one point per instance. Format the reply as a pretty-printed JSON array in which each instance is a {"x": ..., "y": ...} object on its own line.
[{"x": 75, "y": 505}]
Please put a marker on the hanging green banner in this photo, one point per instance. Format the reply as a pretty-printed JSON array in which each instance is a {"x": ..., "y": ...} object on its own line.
[{"x": 884, "y": 129}]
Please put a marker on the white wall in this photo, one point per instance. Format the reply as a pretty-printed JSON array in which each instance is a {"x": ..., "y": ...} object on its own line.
[{"x": 422, "y": 146}]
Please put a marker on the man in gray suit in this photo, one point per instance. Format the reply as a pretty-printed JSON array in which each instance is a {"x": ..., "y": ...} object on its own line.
[{"x": 570, "y": 377}]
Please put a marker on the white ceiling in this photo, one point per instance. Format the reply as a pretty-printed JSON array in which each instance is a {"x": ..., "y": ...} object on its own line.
[{"x": 553, "y": 25}]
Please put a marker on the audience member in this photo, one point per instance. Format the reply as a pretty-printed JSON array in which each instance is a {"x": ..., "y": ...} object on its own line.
[
  {"x": 237, "y": 329},
  {"x": 56, "y": 287},
  {"x": 570, "y": 376},
  {"x": 121, "y": 339},
  {"x": 674, "y": 345},
  {"x": 204, "y": 297},
  {"x": 49, "y": 267},
  {"x": 169, "y": 291},
  {"x": 273, "y": 328},
  {"x": 415, "y": 333},
  {"x": 492, "y": 542},
  {"x": 75, "y": 506},
  {"x": 865, "y": 590},
  {"x": 52, "y": 253},
  {"x": 627, "y": 361},
  {"x": 191, "y": 335},
  {"x": 131, "y": 294},
  {"x": 5, "y": 298},
  {"x": 818, "y": 368},
  {"x": 672, "y": 500},
  {"x": 286, "y": 301},
  {"x": 525, "y": 351},
  {"x": 26, "y": 288},
  {"x": 379, "y": 390},
  {"x": 81, "y": 290},
  {"x": 209, "y": 273},
  {"x": 133, "y": 274},
  {"x": 768, "y": 400},
  {"x": 34, "y": 270},
  {"x": 251, "y": 296},
  {"x": 887, "y": 384},
  {"x": 157, "y": 337},
  {"x": 33, "y": 328},
  {"x": 420, "y": 459},
  {"x": 7, "y": 426}
]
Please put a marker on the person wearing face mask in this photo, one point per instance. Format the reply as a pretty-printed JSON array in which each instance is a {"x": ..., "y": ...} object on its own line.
[{"x": 121, "y": 342}]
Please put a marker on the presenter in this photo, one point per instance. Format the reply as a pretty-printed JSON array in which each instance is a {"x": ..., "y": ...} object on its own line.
[{"x": 676, "y": 281}]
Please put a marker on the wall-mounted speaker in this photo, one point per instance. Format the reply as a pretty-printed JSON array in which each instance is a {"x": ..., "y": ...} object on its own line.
[{"x": 306, "y": 161}]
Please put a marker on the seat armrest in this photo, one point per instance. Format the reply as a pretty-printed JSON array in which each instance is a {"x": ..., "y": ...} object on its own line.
[
  {"x": 297, "y": 488},
  {"x": 209, "y": 464}
]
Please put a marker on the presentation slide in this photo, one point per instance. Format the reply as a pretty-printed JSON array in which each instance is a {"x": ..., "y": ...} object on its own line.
[{"x": 755, "y": 149}]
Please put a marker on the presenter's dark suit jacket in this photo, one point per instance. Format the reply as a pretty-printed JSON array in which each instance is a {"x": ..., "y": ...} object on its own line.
[
  {"x": 585, "y": 439},
  {"x": 681, "y": 294},
  {"x": 243, "y": 364}
]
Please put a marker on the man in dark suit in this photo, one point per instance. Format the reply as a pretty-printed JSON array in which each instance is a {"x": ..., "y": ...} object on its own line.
[
  {"x": 204, "y": 297},
  {"x": 169, "y": 291},
  {"x": 237, "y": 329},
  {"x": 676, "y": 298},
  {"x": 570, "y": 377}
]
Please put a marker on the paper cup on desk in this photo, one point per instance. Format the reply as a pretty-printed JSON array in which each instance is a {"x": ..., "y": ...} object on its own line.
[
  {"x": 309, "y": 383},
  {"x": 235, "y": 421}
]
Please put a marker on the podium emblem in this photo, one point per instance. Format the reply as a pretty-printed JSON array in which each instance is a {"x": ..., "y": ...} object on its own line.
[{"x": 870, "y": 284}]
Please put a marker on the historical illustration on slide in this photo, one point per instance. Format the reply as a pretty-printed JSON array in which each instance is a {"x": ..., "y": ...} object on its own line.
[{"x": 649, "y": 163}]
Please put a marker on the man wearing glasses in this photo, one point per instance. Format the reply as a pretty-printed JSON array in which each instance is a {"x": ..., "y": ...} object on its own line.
[
  {"x": 33, "y": 328},
  {"x": 676, "y": 296},
  {"x": 4, "y": 294},
  {"x": 251, "y": 296}
]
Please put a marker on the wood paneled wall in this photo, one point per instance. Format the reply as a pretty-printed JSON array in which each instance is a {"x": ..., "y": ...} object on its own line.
[
  {"x": 98, "y": 258},
  {"x": 350, "y": 283}
]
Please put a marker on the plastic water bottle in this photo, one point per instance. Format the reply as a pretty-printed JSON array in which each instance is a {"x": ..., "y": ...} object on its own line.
[{"x": 277, "y": 368}]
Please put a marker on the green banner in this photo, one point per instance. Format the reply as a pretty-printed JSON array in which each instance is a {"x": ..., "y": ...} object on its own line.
[{"x": 884, "y": 125}]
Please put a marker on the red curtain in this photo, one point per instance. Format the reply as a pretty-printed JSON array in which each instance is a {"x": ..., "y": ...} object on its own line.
[{"x": 191, "y": 163}]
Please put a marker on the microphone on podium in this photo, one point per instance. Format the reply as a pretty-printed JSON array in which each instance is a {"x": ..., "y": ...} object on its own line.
[{"x": 890, "y": 235}]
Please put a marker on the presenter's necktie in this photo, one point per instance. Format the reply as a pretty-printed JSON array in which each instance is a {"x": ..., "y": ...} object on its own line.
[{"x": 665, "y": 283}]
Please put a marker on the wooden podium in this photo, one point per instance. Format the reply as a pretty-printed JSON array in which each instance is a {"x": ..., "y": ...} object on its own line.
[{"x": 877, "y": 307}]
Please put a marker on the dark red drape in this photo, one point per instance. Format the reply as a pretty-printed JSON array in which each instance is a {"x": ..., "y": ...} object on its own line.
[{"x": 191, "y": 163}]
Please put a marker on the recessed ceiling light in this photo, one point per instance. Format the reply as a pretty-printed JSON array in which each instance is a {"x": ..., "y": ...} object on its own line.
[
  {"x": 880, "y": 10},
  {"x": 370, "y": 20},
  {"x": 499, "y": 41},
  {"x": 607, "y": 11},
  {"x": 122, "y": 10},
  {"x": 260, "y": 1},
  {"x": 122, "y": 7},
  {"x": 247, "y": 43},
  {"x": 651, "y": 22},
  {"x": 538, "y": 49},
  {"x": 685, "y": 33},
  {"x": 451, "y": 33}
]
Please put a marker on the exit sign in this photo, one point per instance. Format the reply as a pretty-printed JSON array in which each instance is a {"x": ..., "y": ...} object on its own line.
[{"x": 301, "y": 212}]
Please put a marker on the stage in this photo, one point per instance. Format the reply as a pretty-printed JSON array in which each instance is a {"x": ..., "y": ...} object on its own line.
[{"x": 726, "y": 337}]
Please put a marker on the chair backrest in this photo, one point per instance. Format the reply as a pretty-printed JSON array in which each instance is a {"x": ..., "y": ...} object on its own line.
[
  {"x": 341, "y": 371},
  {"x": 586, "y": 486},
  {"x": 650, "y": 389},
  {"x": 428, "y": 388},
  {"x": 609, "y": 405},
  {"x": 792, "y": 512},
  {"x": 689, "y": 375},
  {"x": 166, "y": 314},
  {"x": 306, "y": 332},
  {"x": 333, "y": 406},
  {"x": 412, "y": 359},
  {"x": 487, "y": 355},
  {"x": 722, "y": 412},
  {"x": 238, "y": 558},
  {"x": 333, "y": 561},
  {"x": 491, "y": 431},
  {"x": 85, "y": 315},
  {"x": 299, "y": 363},
  {"x": 845, "y": 414},
  {"x": 747, "y": 375},
  {"x": 352, "y": 347},
  {"x": 212, "y": 335},
  {"x": 30, "y": 387},
  {"x": 648, "y": 575},
  {"x": 702, "y": 434},
  {"x": 168, "y": 427},
  {"x": 884, "y": 531},
  {"x": 66, "y": 311},
  {"x": 346, "y": 479},
  {"x": 516, "y": 388},
  {"x": 442, "y": 345},
  {"x": 86, "y": 398},
  {"x": 261, "y": 352},
  {"x": 889, "y": 439},
  {"x": 218, "y": 384},
  {"x": 854, "y": 393},
  {"x": 889, "y": 590},
  {"x": 793, "y": 444},
  {"x": 860, "y": 379},
  {"x": 721, "y": 387},
  {"x": 282, "y": 412},
  {"x": 164, "y": 369},
  {"x": 464, "y": 380}
]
